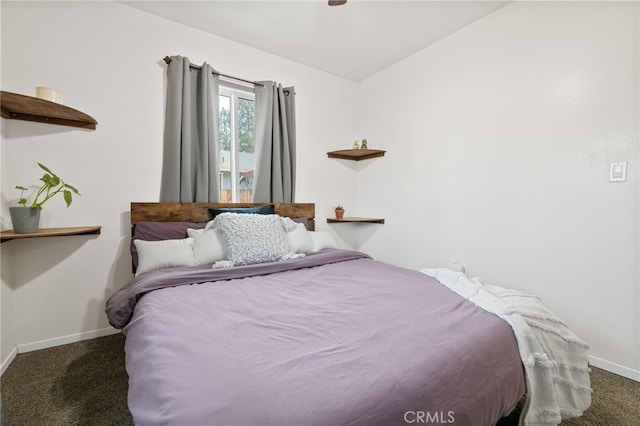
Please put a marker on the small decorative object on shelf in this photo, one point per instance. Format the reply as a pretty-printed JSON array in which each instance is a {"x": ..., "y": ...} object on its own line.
[
  {"x": 26, "y": 219},
  {"x": 364, "y": 144},
  {"x": 356, "y": 144},
  {"x": 339, "y": 211},
  {"x": 49, "y": 94}
]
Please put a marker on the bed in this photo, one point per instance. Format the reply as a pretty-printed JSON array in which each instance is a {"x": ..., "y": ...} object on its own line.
[{"x": 322, "y": 336}]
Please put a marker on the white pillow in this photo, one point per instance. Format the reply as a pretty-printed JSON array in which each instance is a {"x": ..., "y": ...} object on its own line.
[
  {"x": 164, "y": 254},
  {"x": 322, "y": 240},
  {"x": 299, "y": 239},
  {"x": 253, "y": 238},
  {"x": 208, "y": 245},
  {"x": 288, "y": 224}
]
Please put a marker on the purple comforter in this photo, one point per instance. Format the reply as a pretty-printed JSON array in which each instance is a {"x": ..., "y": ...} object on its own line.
[{"x": 337, "y": 339}]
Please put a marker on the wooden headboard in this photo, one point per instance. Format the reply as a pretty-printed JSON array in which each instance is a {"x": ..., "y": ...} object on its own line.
[{"x": 199, "y": 212}]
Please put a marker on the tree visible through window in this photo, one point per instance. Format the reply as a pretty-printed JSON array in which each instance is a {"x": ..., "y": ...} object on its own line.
[{"x": 237, "y": 144}]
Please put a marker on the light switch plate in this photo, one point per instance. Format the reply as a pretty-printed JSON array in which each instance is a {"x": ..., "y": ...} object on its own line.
[{"x": 618, "y": 172}]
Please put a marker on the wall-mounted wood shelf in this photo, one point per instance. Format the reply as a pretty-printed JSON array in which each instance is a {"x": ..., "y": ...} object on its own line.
[
  {"x": 356, "y": 220},
  {"x": 356, "y": 154},
  {"x": 29, "y": 108},
  {"x": 51, "y": 232}
]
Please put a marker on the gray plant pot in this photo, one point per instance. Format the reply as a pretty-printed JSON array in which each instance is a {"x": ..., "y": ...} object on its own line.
[{"x": 25, "y": 220}]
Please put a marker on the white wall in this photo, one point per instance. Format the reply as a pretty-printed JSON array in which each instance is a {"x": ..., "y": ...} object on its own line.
[
  {"x": 7, "y": 335},
  {"x": 106, "y": 58},
  {"x": 499, "y": 141},
  {"x": 7, "y": 332}
]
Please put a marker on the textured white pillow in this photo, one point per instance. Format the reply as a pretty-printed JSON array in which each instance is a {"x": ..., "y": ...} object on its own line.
[
  {"x": 208, "y": 245},
  {"x": 322, "y": 240},
  {"x": 253, "y": 238},
  {"x": 299, "y": 239},
  {"x": 164, "y": 254}
]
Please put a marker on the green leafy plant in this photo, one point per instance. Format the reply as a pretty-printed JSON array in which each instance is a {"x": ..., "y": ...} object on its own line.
[
  {"x": 338, "y": 207},
  {"x": 52, "y": 185}
]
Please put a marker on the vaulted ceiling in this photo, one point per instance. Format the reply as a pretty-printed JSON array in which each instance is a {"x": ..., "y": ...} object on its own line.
[{"x": 354, "y": 41}]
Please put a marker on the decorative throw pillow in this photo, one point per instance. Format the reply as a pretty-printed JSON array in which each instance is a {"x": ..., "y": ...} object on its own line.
[
  {"x": 208, "y": 245},
  {"x": 299, "y": 239},
  {"x": 322, "y": 240},
  {"x": 269, "y": 209},
  {"x": 164, "y": 254},
  {"x": 253, "y": 238}
]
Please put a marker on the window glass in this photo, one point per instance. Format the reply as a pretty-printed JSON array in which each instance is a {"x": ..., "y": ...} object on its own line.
[{"x": 237, "y": 144}]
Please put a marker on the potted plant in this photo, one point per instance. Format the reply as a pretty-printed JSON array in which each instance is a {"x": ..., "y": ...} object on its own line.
[
  {"x": 339, "y": 211},
  {"x": 26, "y": 218}
]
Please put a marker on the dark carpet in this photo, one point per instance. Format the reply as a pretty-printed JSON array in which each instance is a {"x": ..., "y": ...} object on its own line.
[
  {"x": 82, "y": 383},
  {"x": 85, "y": 383}
]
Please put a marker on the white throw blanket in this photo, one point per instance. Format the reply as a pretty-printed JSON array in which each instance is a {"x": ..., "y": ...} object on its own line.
[{"x": 555, "y": 359}]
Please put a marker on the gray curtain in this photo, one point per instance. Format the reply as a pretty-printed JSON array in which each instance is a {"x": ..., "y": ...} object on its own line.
[
  {"x": 275, "y": 176},
  {"x": 190, "y": 164}
]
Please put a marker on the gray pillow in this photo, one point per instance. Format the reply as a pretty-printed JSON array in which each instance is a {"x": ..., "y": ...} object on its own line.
[{"x": 253, "y": 238}]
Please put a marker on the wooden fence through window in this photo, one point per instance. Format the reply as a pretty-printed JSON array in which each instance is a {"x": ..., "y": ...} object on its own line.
[{"x": 245, "y": 195}]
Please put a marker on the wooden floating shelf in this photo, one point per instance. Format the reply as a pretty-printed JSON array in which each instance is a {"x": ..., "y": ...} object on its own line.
[
  {"x": 29, "y": 108},
  {"x": 51, "y": 232},
  {"x": 356, "y": 220},
  {"x": 356, "y": 154}
]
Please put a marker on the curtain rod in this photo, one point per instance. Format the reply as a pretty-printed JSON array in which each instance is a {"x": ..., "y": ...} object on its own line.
[{"x": 167, "y": 59}]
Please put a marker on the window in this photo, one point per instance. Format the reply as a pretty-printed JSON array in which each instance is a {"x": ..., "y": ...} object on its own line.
[{"x": 237, "y": 143}]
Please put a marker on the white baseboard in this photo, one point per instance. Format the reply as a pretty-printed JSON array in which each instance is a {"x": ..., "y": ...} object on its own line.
[
  {"x": 6, "y": 362},
  {"x": 63, "y": 340},
  {"x": 612, "y": 367}
]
